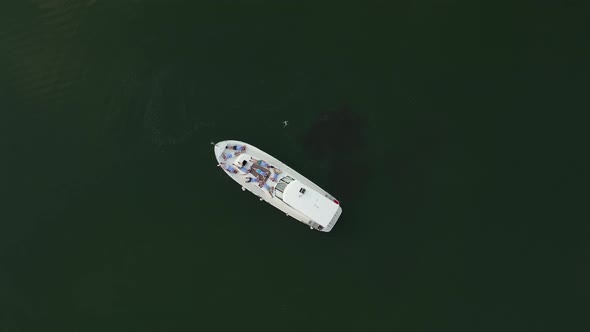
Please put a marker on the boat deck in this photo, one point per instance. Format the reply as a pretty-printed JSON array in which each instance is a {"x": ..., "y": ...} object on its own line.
[
  {"x": 247, "y": 163},
  {"x": 262, "y": 178},
  {"x": 244, "y": 162}
]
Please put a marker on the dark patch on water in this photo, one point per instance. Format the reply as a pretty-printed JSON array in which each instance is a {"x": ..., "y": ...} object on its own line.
[{"x": 336, "y": 140}]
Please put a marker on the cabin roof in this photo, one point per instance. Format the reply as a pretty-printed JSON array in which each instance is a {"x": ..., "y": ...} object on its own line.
[{"x": 314, "y": 205}]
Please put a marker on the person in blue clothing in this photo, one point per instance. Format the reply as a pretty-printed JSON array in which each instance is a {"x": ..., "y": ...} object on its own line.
[
  {"x": 236, "y": 147},
  {"x": 267, "y": 187},
  {"x": 251, "y": 179},
  {"x": 261, "y": 172},
  {"x": 261, "y": 184},
  {"x": 261, "y": 162},
  {"x": 230, "y": 155},
  {"x": 228, "y": 168},
  {"x": 243, "y": 167}
]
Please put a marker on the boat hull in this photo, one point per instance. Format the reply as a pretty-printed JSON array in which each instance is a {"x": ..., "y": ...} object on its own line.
[{"x": 220, "y": 150}]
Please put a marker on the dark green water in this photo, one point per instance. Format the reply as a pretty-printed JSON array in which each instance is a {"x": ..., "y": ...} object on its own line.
[{"x": 465, "y": 209}]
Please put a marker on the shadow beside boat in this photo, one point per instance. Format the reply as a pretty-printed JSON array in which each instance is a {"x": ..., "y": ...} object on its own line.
[{"x": 336, "y": 141}]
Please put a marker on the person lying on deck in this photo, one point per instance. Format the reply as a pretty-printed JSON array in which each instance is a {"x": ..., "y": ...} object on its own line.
[
  {"x": 261, "y": 162},
  {"x": 243, "y": 167},
  {"x": 276, "y": 174},
  {"x": 230, "y": 155},
  {"x": 228, "y": 168},
  {"x": 236, "y": 147},
  {"x": 267, "y": 187},
  {"x": 261, "y": 172},
  {"x": 261, "y": 184},
  {"x": 251, "y": 179}
]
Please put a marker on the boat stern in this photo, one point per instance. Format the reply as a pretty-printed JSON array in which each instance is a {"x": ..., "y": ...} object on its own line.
[{"x": 333, "y": 221}]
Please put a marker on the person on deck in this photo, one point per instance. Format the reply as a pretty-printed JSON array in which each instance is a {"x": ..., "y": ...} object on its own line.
[
  {"x": 228, "y": 168},
  {"x": 276, "y": 172},
  {"x": 261, "y": 184},
  {"x": 267, "y": 187},
  {"x": 251, "y": 179},
  {"x": 261, "y": 172},
  {"x": 243, "y": 168},
  {"x": 236, "y": 147},
  {"x": 261, "y": 162},
  {"x": 230, "y": 155}
]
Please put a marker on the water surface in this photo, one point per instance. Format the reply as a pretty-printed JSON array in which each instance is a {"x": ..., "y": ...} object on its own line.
[{"x": 439, "y": 125}]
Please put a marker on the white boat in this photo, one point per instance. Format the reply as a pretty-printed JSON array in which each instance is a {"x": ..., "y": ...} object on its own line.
[{"x": 278, "y": 184}]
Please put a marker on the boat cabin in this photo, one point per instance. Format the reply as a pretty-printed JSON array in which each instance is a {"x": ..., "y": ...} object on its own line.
[{"x": 317, "y": 207}]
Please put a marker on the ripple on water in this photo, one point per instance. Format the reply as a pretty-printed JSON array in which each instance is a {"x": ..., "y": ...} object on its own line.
[
  {"x": 42, "y": 52},
  {"x": 160, "y": 108}
]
